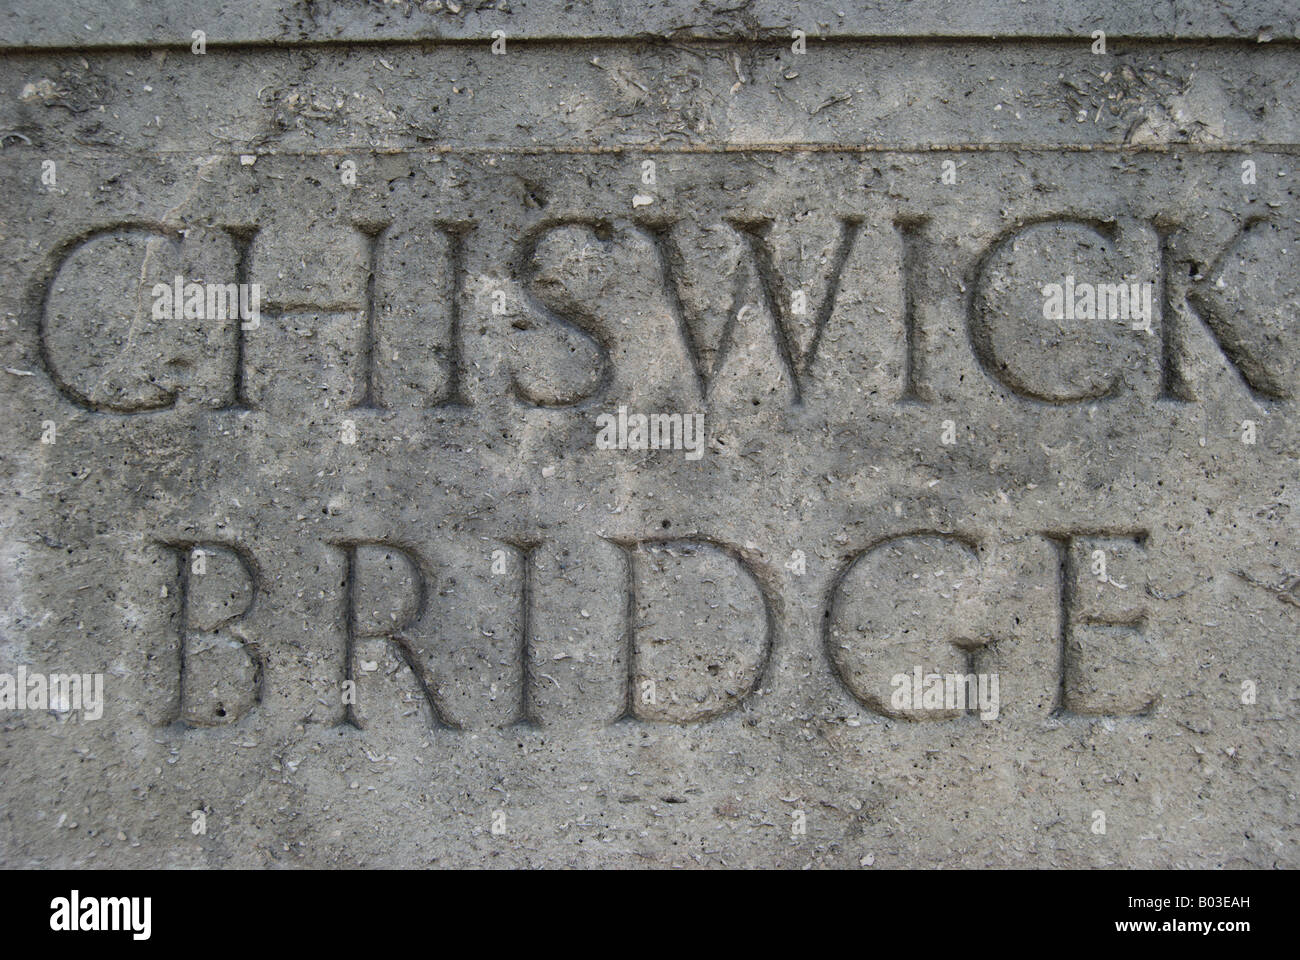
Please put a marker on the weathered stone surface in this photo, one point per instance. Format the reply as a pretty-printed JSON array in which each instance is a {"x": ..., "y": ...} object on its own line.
[
  {"x": 366, "y": 590},
  {"x": 120, "y": 22}
]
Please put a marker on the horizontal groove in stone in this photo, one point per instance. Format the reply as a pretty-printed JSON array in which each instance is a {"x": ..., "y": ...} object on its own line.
[{"x": 32, "y": 23}]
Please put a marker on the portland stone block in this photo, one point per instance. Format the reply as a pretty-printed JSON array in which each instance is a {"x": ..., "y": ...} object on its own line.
[{"x": 649, "y": 435}]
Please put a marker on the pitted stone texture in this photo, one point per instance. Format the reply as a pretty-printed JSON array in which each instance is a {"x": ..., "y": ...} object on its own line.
[
  {"x": 106, "y": 22},
  {"x": 427, "y": 597},
  {"x": 359, "y": 102}
]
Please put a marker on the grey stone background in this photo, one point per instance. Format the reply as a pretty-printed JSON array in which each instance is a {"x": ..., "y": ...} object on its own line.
[{"x": 511, "y": 695}]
